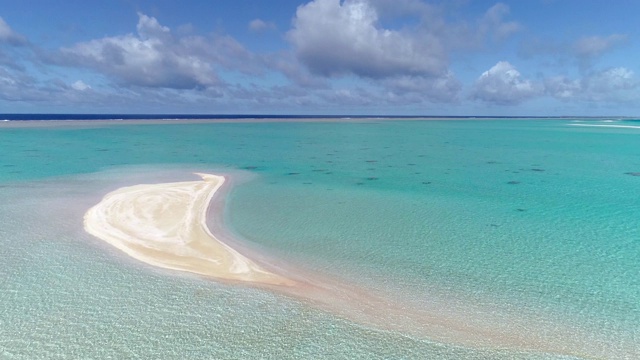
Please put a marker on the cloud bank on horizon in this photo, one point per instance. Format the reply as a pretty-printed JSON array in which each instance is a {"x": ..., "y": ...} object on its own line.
[{"x": 325, "y": 57}]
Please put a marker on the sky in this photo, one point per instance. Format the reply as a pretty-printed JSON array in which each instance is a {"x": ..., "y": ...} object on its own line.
[{"x": 321, "y": 57}]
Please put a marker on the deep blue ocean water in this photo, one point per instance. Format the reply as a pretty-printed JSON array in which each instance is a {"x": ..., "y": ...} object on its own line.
[{"x": 529, "y": 226}]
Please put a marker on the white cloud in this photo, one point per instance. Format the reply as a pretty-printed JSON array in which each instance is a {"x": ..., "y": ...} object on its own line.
[
  {"x": 18, "y": 86},
  {"x": 439, "y": 89},
  {"x": 609, "y": 85},
  {"x": 8, "y": 35},
  {"x": 80, "y": 86},
  {"x": 353, "y": 37},
  {"x": 402, "y": 8},
  {"x": 593, "y": 46},
  {"x": 618, "y": 78},
  {"x": 493, "y": 23},
  {"x": 334, "y": 38},
  {"x": 581, "y": 52},
  {"x": 563, "y": 88},
  {"x": 150, "y": 28},
  {"x": 350, "y": 97},
  {"x": 6, "y": 79},
  {"x": 474, "y": 35},
  {"x": 259, "y": 25},
  {"x": 287, "y": 64},
  {"x": 344, "y": 54},
  {"x": 152, "y": 58},
  {"x": 157, "y": 57},
  {"x": 504, "y": 85}
]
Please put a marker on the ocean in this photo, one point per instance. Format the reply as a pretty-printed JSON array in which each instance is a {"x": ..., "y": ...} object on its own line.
[{"x": 523, "y": 232}]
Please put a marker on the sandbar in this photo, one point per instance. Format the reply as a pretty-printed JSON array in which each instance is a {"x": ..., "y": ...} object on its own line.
[{"x": 165, "y": 225}]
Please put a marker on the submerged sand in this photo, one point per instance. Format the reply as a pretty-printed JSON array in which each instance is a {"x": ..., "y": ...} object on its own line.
[{"x": 165, "y": 225}]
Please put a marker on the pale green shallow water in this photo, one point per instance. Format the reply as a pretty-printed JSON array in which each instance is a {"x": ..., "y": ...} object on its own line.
[{"x": 533, "y": 223}]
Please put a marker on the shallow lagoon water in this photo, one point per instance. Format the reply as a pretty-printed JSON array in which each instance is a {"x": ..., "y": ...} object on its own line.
[{"x": 524, "y": 224}]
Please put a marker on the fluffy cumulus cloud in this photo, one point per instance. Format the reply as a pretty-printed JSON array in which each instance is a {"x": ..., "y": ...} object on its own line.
[
  {"x": 334, "y": 38},
  {"x": 156, "y": 57},
  {"x": 346, "y": 55},
  {"x": 152, "y": 57},
  {"x": 504, "y": 85}
]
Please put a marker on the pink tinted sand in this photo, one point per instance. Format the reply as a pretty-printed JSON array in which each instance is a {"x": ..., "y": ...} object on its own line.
[{"x": 164, "y": 225}]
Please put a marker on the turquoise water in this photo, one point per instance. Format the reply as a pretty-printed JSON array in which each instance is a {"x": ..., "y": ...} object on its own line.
[{"x": 526, "y": 226}]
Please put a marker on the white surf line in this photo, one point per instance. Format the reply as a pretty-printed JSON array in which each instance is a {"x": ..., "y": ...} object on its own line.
[
  {"x": 165, "y": 225},
  {"x": 607, "y": 126}
]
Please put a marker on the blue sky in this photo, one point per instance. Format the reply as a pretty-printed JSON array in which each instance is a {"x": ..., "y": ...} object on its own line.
[{"x": 378, "y": 57}]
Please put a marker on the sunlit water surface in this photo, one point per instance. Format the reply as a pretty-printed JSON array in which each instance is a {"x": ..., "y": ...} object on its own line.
[{"x": 527, "y": 225}]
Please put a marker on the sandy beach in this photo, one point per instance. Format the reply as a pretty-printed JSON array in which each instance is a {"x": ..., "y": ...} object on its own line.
[{"x": 165, "y": 225}]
